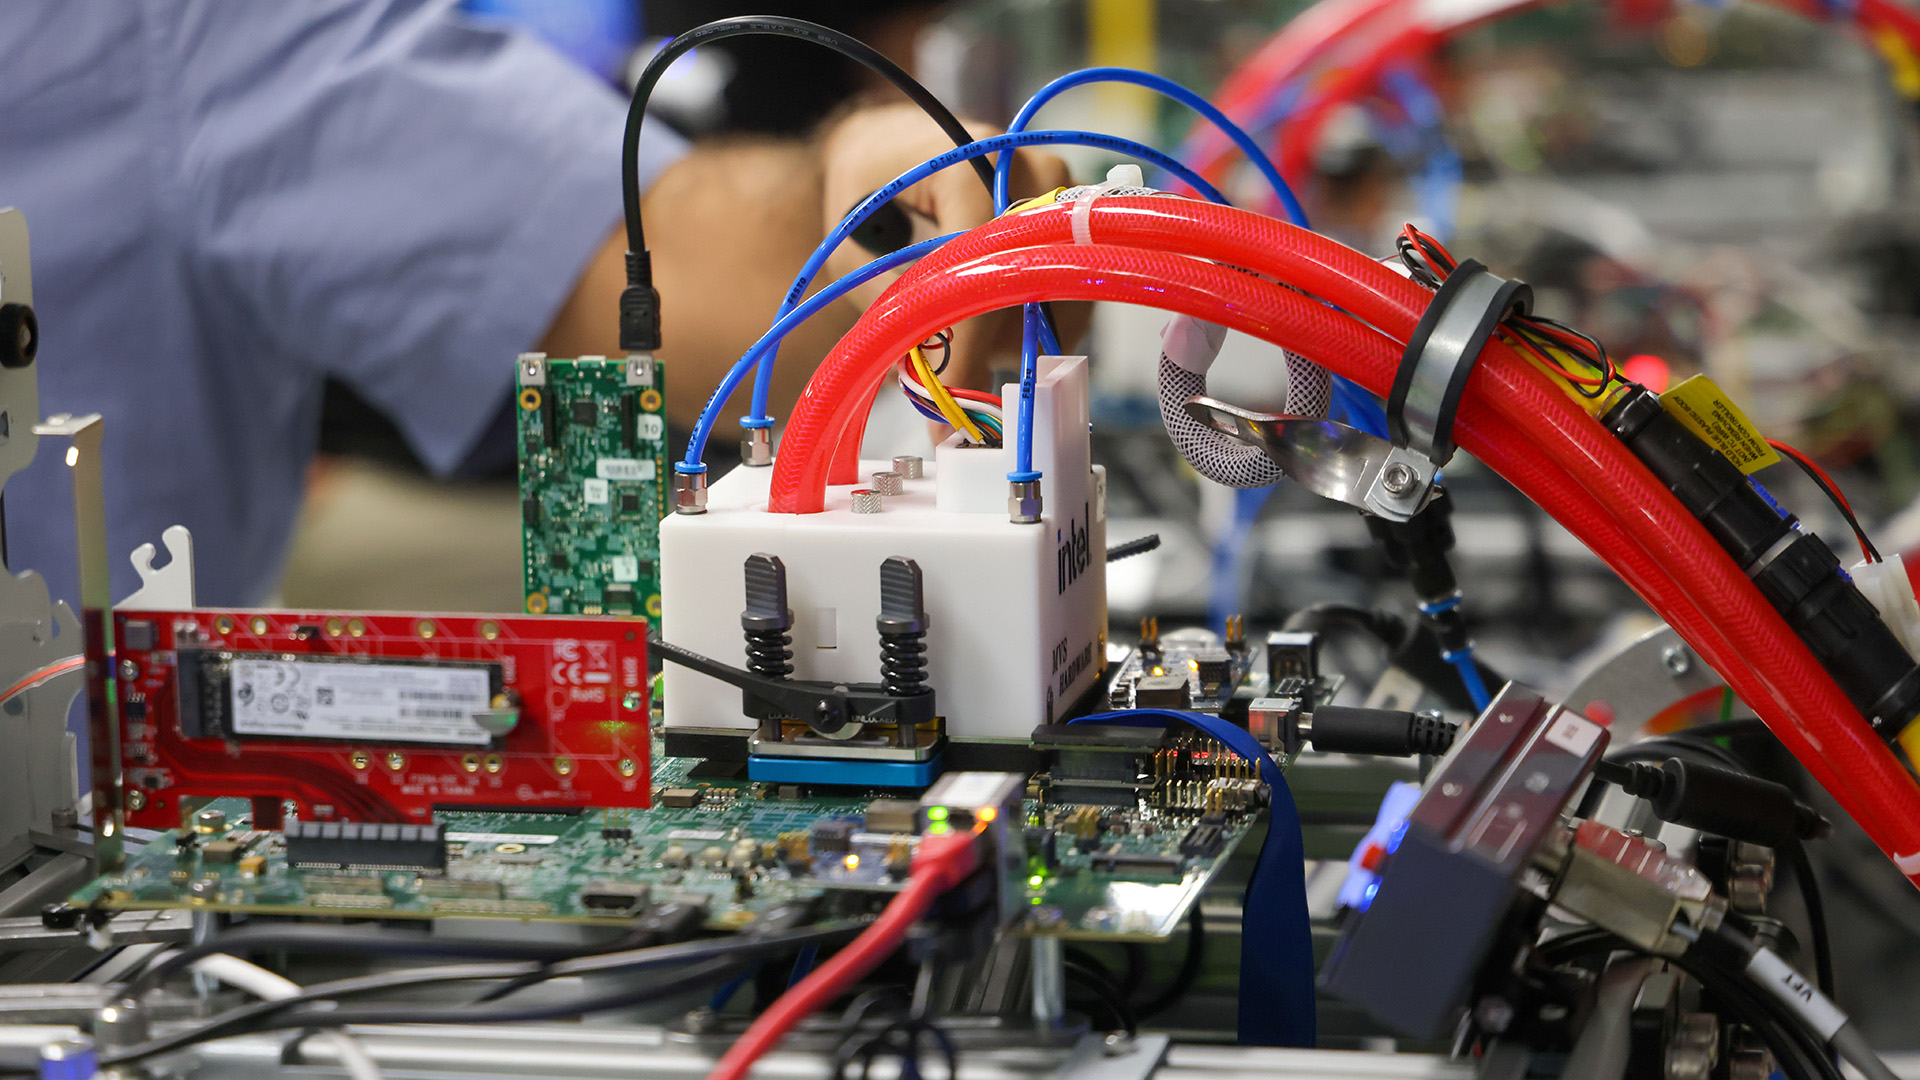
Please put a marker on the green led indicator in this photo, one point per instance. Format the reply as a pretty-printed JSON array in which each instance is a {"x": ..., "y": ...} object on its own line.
[
  {"x": 1037, "y": 880},
  {"x": 936, "y": 813}
]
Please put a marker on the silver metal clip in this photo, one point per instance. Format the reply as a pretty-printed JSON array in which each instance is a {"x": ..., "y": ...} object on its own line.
[
  {"x": 1328, "y": 458},
  {"x": 1464, "y": 313}
]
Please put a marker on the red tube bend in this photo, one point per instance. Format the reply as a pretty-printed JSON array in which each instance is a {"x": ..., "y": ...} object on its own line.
[{"x": 1769, "y": 668}]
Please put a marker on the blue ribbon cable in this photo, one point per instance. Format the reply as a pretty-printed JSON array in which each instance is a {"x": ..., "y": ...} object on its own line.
[{"x": 1276, "y": 934}]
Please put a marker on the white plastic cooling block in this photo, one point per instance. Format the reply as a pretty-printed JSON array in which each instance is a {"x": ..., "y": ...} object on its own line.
[{"x": 1017, "y": 614}]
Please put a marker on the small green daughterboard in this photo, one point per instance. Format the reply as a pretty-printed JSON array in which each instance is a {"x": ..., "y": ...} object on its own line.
[{"x": 593, "y": 483}]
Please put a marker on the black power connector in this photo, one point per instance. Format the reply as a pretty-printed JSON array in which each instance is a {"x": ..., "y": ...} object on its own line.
[
  {"x": 1696, "y": 795},
  {"x": 1795, "y": 570},
  {"x": 1340, "y": 729}
]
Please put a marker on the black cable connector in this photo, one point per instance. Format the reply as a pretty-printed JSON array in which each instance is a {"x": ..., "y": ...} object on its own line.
[
  {"x": 1714, "y": 800},
  {"x": 1796, "y": 571},
  {"x": 639, "y": 306},
  {"x": 1341, "y": 729}
]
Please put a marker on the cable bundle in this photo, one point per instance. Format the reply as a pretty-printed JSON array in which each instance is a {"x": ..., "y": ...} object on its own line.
[
  {"x": 971, "y": 412},
  {"x": 1349, "y": 314}
]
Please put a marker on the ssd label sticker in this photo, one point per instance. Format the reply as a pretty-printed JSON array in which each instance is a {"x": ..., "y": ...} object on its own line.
[
  {"x": 623, "y": 469},
  {"x": 359, "y": 702}
]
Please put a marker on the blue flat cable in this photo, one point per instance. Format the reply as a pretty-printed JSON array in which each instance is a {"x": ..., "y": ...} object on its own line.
[
  {"x": 763, "y": 380},
  {"x": 1276, "y": 933}
]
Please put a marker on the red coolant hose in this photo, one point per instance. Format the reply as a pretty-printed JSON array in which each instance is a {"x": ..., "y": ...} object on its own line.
[
  {"x": 1766, "y": 665},
  {"x": 1285, "y": 55},
  {"x": 1306, "y": 39}
]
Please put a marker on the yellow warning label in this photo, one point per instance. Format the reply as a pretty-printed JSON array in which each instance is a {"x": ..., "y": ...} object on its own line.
[{"x": 1710, "y": 414}]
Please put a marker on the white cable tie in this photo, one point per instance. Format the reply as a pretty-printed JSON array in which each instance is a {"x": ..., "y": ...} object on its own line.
[{"x": 1082, "y": 215}]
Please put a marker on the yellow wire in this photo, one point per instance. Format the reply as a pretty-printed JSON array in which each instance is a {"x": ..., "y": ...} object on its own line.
[{"x": 956, "y": 416}]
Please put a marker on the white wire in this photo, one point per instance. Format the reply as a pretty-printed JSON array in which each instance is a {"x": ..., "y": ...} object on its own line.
[
  {"x": 968, "y": 404},
  {"x": 262, "y": 983}
]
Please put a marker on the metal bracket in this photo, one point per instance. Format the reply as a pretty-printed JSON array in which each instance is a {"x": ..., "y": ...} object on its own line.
[
  {"x": 170, "y": 588},
  {"x": 1470, "y": 304},
  {"x": 1327, "y": 458},
  {"x": 83, "y": 434}
]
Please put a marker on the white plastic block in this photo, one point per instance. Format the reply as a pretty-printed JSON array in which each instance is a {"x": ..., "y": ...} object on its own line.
[
  {"x": 1017, "y": 614},
  {"x": 1890, "y": 589}
]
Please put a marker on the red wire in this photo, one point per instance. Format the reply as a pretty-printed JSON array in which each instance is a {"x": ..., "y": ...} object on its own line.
[
  {"x": 940, "y": 864},
  {"x": 58, "y": 667},
  {"x": 1814, "y": 466},
  {"x": 974, "y": 395}
]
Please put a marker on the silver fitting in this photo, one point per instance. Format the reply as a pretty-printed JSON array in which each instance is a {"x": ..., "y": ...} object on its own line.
[
  {"x": 888, "y": 483},
  {"x": 866, "y": 501},
  {"x": 689, "y": 493},
  {"x": 910, "y": 466},
  {"x": 756, "y": 447},
  {"x": 121, "y": 1023},
  {"x": 1023, "y": 502}
]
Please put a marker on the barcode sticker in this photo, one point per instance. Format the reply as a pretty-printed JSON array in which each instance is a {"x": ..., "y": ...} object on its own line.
[
  {"x": 375, "y": 703},
  {"x": 608, "y": 468}
]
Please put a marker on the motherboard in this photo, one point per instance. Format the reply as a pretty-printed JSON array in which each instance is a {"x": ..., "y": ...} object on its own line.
[
  {"x": 593, "y": 473},
  {"x": 732, "y": 848}
]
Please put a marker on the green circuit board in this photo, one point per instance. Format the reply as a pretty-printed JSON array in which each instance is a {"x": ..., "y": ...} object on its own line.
[
  {"x": 1133, "y": 883},
  {"x": 593, "y": 482}
]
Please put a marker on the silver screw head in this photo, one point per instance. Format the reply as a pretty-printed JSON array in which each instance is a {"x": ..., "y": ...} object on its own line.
[
  {"x": 1677, "y": 659},
  {"x": 1399, "y": 478}
]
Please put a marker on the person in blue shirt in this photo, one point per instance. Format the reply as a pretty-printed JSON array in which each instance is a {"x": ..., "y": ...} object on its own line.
[{"x": 231, "y": 202}]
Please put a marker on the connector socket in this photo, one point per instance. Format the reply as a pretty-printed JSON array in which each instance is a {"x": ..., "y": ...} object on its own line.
[
  {"x": 756, "y": 447},
  {"x": 689, "y": 493},
  {"x": 1023, "y": 502}
]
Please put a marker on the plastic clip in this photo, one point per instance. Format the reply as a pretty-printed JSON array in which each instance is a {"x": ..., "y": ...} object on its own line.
[{"x": 1446, "y": 343}]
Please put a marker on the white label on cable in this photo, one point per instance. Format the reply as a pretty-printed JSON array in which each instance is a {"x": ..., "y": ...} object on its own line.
[
  {"x": 626, "y": 568},
  {"x": 501, "y": 838},
  {"x": 1791, "y": 987},
  {"x": 1572, "y": 733},
  {"x": 612, "y": 468},
  {"x": 650, "y": 426},
  {"x": 359, "y": 702},
  {"x": 594, "y": 492}
]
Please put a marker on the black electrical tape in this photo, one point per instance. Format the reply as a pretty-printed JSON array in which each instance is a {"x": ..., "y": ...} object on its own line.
[{"x": 1512, "y": 296}]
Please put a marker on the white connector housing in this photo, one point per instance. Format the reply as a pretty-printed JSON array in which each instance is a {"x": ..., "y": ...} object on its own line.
[
  {"x": 1017, "y": 614},
  {"x": 1887, "y": 586}
]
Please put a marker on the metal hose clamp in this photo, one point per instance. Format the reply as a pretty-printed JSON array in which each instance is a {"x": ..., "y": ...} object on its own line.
[{"x": 1470, "y": 304}]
